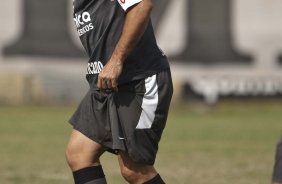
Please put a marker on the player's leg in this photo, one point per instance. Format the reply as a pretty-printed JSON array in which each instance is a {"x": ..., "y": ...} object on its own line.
[
  {"x": 83, "y": 155},
  {"x": 135, "y": 173}
]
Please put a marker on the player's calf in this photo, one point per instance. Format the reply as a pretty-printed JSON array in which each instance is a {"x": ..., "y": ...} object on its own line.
[
  {"x": 135, "y": 177},
  {"x": 135, "y": 173}
]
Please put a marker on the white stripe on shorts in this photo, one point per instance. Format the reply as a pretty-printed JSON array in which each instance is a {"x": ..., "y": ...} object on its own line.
[{"x": 149, "y": 103}]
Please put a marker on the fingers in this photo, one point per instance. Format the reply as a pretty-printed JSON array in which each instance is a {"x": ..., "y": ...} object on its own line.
[
  {"x": 107, "y": 83},
  {"x": 108, "y": 77},
  {"x": 99, "y": 82},
  {"x": 104, "y": 83},
  {"x": 114, "y": 85}
]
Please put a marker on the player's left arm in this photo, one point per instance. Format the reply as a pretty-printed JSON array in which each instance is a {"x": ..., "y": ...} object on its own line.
[{"x": 136, "y": 22}]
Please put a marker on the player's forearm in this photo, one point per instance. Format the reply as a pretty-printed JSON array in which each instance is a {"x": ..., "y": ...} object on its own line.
[{"x": 136, "y": 22}]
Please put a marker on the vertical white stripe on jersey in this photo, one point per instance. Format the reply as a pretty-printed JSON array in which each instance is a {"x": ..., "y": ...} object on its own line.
[
  {"x": 149, "y": 104},
  {"x": 125, "y": 4}
]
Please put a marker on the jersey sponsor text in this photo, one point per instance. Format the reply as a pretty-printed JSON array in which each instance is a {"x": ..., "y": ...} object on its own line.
[
  {"x": 82, "y": 23},
  {"x": 94, "y": 67}
]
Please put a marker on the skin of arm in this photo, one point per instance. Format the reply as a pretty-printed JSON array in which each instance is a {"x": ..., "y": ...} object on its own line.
[{"x": 136, "y": 22}]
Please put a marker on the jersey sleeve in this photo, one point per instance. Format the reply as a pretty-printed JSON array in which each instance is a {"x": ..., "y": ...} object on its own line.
[{"x": 125, "y": 4}]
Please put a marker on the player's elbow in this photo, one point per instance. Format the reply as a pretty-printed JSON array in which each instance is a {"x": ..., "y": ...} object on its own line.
[{"x": 147, "y": 5}]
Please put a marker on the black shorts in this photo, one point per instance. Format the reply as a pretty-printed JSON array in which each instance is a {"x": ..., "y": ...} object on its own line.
[{"x": 131, "y": 120}]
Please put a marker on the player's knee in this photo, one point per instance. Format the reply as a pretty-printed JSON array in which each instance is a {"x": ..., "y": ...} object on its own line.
[
  {"x": 129, "y": 175},
  {"x": 72, "y": 156},
  {"x": 77, "y": 159}
]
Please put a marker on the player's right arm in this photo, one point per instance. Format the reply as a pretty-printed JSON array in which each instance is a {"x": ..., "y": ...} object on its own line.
[{"x": 136, "y": 22}]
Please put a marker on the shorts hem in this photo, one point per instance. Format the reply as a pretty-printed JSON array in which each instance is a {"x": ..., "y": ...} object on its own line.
[
  {"x": 107, "y": 148},
  {"x": 277, "y": 180}
]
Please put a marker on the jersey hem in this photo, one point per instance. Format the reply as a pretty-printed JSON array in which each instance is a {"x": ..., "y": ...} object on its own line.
[{"x": 143, "y": 75}]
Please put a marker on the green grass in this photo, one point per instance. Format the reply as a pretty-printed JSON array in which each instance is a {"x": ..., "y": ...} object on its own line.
[{"x": 232, "y": 143}]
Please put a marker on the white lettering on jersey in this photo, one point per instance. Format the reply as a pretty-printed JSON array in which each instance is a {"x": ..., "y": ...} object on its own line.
[
  {"x": 94, "y": 67},
  {"x": 125, "y": 4},
  {"x": 82, "y": 23}
]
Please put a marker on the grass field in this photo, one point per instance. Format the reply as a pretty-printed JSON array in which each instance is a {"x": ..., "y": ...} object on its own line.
[{"x": 230, "y": 144}]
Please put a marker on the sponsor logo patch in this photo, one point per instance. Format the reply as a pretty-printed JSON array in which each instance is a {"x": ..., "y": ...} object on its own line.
[
  {"x": 83, "y": 23},
  {"x": 94, "y": 67}
]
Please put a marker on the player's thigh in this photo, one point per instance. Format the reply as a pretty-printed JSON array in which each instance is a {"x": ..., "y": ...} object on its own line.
[{"x": 81, "y": 148}]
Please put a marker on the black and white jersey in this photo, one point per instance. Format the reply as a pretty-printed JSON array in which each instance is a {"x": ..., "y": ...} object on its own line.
[{"x": 99, "y": 25}]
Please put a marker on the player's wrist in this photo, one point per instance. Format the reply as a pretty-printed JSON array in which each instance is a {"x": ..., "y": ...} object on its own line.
[{"x": 118, "y": 58}]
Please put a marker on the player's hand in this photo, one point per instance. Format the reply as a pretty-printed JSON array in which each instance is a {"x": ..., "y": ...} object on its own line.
[{"x": 107, "y": 79}]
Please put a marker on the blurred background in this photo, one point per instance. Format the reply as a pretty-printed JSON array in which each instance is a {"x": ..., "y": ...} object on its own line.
[{"x": 226, "y": 61}]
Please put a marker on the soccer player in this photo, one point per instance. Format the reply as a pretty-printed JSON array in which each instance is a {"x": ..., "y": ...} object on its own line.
[
  {"x": 277, "y": 171},
  {"x": 125, "y": 110}
]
